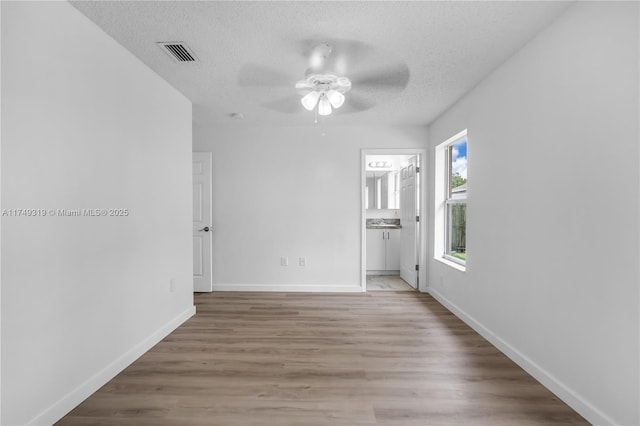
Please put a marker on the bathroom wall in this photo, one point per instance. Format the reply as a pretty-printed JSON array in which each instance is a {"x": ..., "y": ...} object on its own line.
[{"x": 383, "y": 213}]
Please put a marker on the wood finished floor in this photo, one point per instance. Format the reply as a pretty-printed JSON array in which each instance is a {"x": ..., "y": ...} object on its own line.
[
  {"x": 379, "y": 358},
  {"x": 387, "y": 283}
]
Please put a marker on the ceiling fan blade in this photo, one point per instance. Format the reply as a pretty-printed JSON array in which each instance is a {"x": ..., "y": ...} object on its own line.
[
  {"x": 303, "y": 88},
  {"x": 289, "y": 105},
  {"x": 354, "y": 103},
  {"x": 346, "y": 55},
  {"x": 306, "y": 47},
  {"x": 302, "y": 84},
  {"x": 395, "y": 76},
  {"x": 350, "y": 56},
  {"x": 259, "y": 75}
]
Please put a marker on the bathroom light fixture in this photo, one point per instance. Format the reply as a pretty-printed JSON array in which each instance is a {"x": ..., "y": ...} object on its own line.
[{"x": 379, "y": 164}]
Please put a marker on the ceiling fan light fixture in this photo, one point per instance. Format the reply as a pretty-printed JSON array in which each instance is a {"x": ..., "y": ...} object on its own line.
[
  {"x": 310, "y": 100},
  {"x": 335, "y": 98},
  {"x": 327, "y": 87},
  {"x": 324, "y": 107}
]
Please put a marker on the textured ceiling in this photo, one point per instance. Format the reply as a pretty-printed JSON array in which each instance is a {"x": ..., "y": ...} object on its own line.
[{"x": 448, "y": 47}]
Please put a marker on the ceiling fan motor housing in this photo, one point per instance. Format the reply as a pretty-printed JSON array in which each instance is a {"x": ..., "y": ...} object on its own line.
[{"x": 328, "y": 81}]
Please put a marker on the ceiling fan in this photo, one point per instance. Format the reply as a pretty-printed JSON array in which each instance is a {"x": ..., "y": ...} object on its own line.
[
  {"x": 344, "y": 75},
  {"x": 322, "y": 88}
]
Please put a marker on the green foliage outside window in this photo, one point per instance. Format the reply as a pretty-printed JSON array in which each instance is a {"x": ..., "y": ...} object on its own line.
[{"x": 458, "y": 231}]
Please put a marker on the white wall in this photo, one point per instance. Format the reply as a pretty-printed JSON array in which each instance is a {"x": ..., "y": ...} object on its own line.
[
  {"x": 290, "y": 192},
  {"x": 86, "y": 125},
  {"x": 552, "y": 272}
]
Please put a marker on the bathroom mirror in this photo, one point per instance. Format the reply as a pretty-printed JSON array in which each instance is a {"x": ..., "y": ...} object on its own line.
[{"x": 382, "y": 190}]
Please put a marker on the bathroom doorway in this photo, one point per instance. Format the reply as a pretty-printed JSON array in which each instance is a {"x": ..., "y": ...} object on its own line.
[{"x": 392, "y": 236}]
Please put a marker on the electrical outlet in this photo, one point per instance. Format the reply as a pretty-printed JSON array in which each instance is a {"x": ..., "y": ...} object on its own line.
[
  {"x": 302, "y": 261},
  {"x": 284, "y": 261},
  {"x": 172, "y": 285}
]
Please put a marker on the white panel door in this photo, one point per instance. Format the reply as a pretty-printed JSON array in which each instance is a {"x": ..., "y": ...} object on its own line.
[
  {"x": 202, "y": 225},
  {"x": 408, "y": 232}
]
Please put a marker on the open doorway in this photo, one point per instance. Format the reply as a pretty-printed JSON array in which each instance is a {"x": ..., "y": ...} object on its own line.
[{"x": 393, "y": 240}]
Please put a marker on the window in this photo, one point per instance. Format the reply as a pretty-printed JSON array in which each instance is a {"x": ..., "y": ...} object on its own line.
[{"x": 455, "y": 199}]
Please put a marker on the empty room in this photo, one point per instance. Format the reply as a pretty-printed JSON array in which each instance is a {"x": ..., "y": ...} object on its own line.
[{"x": 320, "y": 213}]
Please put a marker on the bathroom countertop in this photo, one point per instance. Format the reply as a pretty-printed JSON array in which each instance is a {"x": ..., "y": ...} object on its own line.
[{"x": 383, "y": 224}]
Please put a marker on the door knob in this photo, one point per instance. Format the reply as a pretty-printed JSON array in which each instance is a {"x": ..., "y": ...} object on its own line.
[{"x": 205, "y": 229}]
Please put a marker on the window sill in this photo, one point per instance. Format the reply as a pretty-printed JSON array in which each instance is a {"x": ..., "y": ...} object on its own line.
[{"x": 454, "y": 265}]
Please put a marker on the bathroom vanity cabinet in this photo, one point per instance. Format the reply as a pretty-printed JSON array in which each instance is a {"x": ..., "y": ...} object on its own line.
[{"x": 383, "y": 250}]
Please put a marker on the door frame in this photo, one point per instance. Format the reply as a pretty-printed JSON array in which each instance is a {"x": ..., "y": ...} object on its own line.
[
  {"x": 424, "y": 211},
  {"x": 206, "y": 157}
]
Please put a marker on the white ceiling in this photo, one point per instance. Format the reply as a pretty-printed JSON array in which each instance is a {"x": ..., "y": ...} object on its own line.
[{"x": 448, "y": 48}]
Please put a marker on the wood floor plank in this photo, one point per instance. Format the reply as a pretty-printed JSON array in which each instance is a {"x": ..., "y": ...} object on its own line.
[{"x": 380, "y": 358}]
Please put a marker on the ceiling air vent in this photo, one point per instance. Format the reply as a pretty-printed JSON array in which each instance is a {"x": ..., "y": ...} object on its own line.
[{"x": 178, "y": 51}]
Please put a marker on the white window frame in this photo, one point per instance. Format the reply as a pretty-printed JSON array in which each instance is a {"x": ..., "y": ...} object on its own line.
[
  {"x": 450, "y": 200},
  {"x": 444, "y": 199}
]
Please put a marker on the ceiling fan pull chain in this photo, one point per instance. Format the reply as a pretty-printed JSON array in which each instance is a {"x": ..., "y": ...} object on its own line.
[{"x": 316, "y": 109}]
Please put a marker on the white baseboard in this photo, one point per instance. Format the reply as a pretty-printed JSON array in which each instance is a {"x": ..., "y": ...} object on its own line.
[
  {"x": 86, "y": 389},
  {"x": 570, "y": 397},
  {"x": 347, "y": 288}
]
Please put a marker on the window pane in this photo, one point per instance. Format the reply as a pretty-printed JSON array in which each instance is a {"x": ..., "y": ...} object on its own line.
[
  {"x": 458, "y": 169},
  {"x": 457, "y": 230}
]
